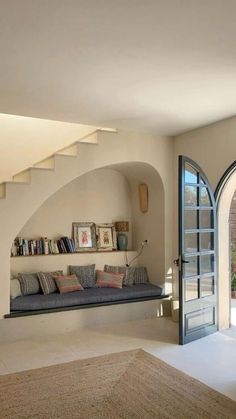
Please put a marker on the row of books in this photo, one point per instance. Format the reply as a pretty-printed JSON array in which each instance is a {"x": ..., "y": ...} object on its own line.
[{"x": 42, "y": 246}]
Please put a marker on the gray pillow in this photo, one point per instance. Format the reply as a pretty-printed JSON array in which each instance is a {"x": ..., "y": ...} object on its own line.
[
  {"x": 85, "y": 274},
  {"x": 140, "y": 275},
  {"x": 29, "y": 283},
  {"x": 47, "y": 281},
  {"x": 127, "y": 271},
  {"x": 15, "y": 290}
]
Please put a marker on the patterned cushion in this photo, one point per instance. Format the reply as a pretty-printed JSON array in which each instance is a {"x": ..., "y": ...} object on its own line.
[
  {"x": 29, "y": 283},
  {"x": 109, "y": 280},
  {"x": 140, "y": 275},
  {"x": 47, "y": 282},
  {"x": 126, "y": 271},
  {"x": 15, "y": 290},
  {"x": 68, "y": 283},
  {"x": 85, "y": 274}
]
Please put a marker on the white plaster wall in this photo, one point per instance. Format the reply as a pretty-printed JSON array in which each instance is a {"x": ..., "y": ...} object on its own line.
[
  {"x": 101, "y": 196},
  {"x": 213, "y": 147},
  {"x": 113, "y": 149},
  {"x": 25, "y": 141}
]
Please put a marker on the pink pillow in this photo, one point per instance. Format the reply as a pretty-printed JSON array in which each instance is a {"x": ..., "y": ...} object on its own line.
[
  {"x": 109, "y": 280},
  {"x": 67, "y": 283}
]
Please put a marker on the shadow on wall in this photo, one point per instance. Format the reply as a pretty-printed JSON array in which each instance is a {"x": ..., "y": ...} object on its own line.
[{"x": 150, "y": 225}]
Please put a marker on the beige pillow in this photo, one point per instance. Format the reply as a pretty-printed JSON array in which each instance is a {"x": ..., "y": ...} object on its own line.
[{"x": 15, "y": 290}]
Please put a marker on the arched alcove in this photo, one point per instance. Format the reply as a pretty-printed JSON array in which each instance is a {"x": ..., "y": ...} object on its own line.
[{"x": 108, "y": 194}]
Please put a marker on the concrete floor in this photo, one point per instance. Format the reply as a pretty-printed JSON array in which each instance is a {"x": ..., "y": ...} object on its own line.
[{"x": 210, "y": 360}]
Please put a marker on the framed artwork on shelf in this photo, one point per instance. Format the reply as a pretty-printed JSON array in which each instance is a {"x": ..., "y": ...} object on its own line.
[
  {"x": 106, "y": 236},
  {"x": 84, "y": 236}
]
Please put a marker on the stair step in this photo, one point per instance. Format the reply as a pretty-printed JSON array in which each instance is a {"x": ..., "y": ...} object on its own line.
[
  {"x": 71, "y": 151},
  {"x": 23, "y": 176},
  {"x": 91, "y": 138},
  {"x": 46, "y": 163},
  {"x": 2, "y": 190}
]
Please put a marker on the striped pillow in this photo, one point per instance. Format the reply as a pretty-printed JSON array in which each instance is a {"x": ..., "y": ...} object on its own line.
[
  {"x": 67, "y": 283},
  {"x": 140, "y": 275},
  {"x": 29, "y": 283},
  {"x": 109, "y": 280},
  {"x": 47, "y": 282},
  {"x": 125, "y": 270},
  {"x": 85, "y": 274},
  {"x": 15, "y": 290}
]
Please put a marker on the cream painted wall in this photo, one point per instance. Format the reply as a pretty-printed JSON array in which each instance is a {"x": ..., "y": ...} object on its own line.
[
  {"x": 100, "y": 196},
  {"x": 25, "y": 141},
  {"x": 22, "y": 201},
  {"x": 212, "y": 147}
]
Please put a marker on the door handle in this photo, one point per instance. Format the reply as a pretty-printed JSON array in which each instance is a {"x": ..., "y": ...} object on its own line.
[{"x": 176, "y": 262}]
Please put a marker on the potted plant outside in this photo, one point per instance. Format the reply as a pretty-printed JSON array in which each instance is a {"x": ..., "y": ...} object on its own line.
[{"x": 233, "y": 285}]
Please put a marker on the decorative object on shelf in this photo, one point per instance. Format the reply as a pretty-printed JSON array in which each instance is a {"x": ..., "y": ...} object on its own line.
[
  {"x": 106, "y": 236},
  {"x": 143, "y": 244},
  {"x": 122, "y": 227},
  {"x": 143, "y": 197},
  {"x": 84, "y": 235}
]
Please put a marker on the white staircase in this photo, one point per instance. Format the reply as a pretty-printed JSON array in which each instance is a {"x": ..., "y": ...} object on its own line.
[{"x": 27, "y": 176}]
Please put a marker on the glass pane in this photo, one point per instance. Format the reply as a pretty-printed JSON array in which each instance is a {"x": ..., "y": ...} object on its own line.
[
  {"x": 206, "y": 241},
  {"x": 191, "y": 245},
  {"x": 190, "y": 219},
  {"x": 191, "y": 289},
  {"x": 204, "y": 197},
  {"x": 202, "y": 181},
  {"x": 191, "y": 268},
  {"x": 190, "y": 174},
  {"x": 201, "y": 318},
  {"x": 207, "y": 264},
  {"x": 206, "y": 218},
  {"x": 190, "y": 195},
  {"x": 207, "y": 286}
]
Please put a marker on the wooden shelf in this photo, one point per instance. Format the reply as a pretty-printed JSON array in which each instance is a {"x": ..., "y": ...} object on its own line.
[{"x": 75, "y": 253}]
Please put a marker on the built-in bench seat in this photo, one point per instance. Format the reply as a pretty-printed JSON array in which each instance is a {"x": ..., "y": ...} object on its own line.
[{"x": 81, "y": 299}]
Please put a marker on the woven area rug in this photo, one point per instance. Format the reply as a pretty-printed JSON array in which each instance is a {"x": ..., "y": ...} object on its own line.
[{"x": 131, "y": 384}]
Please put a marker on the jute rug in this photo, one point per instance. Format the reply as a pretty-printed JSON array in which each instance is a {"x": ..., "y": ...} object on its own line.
[{"x": 131, "y": 384}]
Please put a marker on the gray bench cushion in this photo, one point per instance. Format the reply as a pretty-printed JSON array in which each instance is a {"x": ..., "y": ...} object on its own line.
[{"x": 88, "y": 296}]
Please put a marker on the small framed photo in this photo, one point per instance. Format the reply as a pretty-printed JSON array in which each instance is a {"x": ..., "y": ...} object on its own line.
[
  {"x": 84, "y": 235},
  {"x": 106, "y": 236}
]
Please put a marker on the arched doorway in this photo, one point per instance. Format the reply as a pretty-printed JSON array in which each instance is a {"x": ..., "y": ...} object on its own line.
[{"x": 224, "y": 195}]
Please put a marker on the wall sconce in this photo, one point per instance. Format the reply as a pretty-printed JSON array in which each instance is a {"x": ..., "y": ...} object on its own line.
[
  {"x": 122, "y": 239},
  {"x": 143, "y": 197}
]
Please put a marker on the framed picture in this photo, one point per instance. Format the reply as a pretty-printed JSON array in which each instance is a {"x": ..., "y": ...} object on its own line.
[
  {"x": 106, "y": 236},
  {"x": 84, "y": 235}
]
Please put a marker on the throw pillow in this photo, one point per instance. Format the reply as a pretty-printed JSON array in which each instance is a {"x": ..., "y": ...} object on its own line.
[
  {"x": 29, "y": 283},
  {"x": 140, "y": 275},
  {"x": 126, "y": 271},
  {"x": 15, "y": 290},
  {"x": 85, "y": 274},
  {"x": 47, "y": 282},
  {"x": 109, "y": 280},
  {"x": 68, "y": 283}
]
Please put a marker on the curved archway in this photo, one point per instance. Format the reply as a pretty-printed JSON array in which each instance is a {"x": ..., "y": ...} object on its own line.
[
  {"x": 96, "y": 196},
  {"x": 224, "y": 194}
]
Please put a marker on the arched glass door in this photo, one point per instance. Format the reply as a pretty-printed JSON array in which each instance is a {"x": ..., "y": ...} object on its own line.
[{"x": 197, "y": 253}]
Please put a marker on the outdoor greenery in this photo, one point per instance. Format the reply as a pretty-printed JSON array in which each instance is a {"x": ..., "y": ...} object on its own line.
[{"x": 233, "y": 268}]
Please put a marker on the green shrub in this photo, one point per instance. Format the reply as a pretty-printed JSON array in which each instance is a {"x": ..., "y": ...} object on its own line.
[{"x": 233, "y": 282}]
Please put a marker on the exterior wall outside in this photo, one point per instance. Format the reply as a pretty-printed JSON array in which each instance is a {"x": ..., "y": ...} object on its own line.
[{"x": 233, "y": 228}]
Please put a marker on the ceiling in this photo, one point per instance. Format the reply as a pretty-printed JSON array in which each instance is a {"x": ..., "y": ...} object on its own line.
[{"x": 163, "y": 66}]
